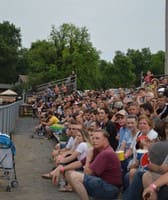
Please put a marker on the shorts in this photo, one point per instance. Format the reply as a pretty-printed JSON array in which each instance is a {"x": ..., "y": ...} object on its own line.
[{"x": 99, "y": 189}]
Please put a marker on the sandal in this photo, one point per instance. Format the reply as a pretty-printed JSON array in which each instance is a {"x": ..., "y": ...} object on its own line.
[
  {"x": 46, "y": 176},
  {"x": 65, "y": 189}
]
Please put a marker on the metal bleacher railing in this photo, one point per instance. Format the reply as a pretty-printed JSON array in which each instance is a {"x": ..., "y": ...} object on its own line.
[
  {"x": 69, "y": 82},
  {"x": 8, "y": 116}
]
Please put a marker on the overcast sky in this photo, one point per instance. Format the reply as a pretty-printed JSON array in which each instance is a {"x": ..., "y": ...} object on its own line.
[{"x": 112, "y": 24}]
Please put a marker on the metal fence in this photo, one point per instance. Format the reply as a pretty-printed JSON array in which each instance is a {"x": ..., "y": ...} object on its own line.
[
  {"x": 70, "y": 83},
  {"x": 8, "y": 116}
]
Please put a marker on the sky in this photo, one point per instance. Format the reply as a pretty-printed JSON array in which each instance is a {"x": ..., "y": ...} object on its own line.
[{"x": 112, "y": 24}]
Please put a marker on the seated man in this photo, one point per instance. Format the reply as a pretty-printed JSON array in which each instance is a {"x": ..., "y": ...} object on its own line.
[
  {"x": 152, "y": 192},
  {"x": 73, "y": 127},
  {"x": 102, "y": 175},
  {"x": 52, "y": 119},
  {"x": 158, "y": 158}
]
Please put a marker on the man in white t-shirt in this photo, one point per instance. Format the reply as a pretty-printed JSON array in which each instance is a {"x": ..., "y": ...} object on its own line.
[{"x": 71, "y": 144}]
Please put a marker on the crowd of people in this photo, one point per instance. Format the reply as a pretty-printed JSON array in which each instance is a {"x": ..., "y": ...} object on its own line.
[{"x": 99, "y": 127}]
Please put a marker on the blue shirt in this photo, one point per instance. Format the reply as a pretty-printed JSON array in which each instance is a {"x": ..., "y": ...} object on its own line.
[{"x": 123, "y": 132}]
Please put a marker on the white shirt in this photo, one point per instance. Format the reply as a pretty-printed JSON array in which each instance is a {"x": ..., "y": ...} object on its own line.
[{"x": 82, "y": 148}]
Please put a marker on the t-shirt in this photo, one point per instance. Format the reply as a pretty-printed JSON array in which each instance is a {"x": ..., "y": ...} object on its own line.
[
  {"x": 53, "y": 120},
  {"x": 123, "y": 133},
  {"x": 158, "y": 152},
  {"x": 82, "y": 148},
  {"x": 133, "y": 147},
  {"x": 70, "y": 143},
  {"x": 128, "y": 139},
  {"x": 106, "y": 165}
]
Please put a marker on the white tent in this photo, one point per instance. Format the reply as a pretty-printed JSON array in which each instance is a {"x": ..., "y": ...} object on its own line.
[{"x": 8, "y": 93}]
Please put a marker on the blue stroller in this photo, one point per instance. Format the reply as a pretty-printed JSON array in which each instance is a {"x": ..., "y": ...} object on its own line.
[{"x": 7, "y": 164}]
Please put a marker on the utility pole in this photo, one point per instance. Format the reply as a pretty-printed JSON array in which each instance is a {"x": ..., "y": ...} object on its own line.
[{"x": 166, "y": 39}]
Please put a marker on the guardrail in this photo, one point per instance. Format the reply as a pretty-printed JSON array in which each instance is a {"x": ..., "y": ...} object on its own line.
[
  {"x": 70, "y": 83},
  {"x": 8, "y": 115}
]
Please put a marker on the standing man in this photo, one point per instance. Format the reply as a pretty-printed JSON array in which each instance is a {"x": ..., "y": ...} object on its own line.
[{"x": 102, "y": 175}]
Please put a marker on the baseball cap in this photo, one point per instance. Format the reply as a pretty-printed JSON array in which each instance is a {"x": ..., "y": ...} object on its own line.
[{"x": 122, "y": 112}]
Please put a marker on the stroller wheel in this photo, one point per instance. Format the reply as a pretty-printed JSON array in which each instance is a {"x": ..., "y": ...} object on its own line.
[
  {"x": 8, "y": 188},
  {"x": 6, "y": 173},
  {"x": 14, "y": 183}
]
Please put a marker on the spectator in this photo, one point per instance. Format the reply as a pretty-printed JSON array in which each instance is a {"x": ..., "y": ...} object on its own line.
[
  {"x": 146, "y": 137},
  {"x": 83, "y": 144},
  {"x": 129, "y": 142},
  {"x": 73, "y": 127},
  {"x": 147, "y": 109},
  {"x": 121, "y": 117},
  {"x": 52, "y": 119},
  {"x": 154, "y": 86},
  {"x": 140, "y": 96},
  {"x": 56, "y": 90},
  {"x": 102, "y": 176},
  {"x": 158, "y": 162},
  {"x": 133, "y": 108},
  {"x": 148, "y": 78},
  {"x": 109, "y": 126},
  {"x": 157, "y": 154},
  {"x": 149, "y": 96},
  {"x": 152, "y": 191},
  {"x": 162, "y": 110}
]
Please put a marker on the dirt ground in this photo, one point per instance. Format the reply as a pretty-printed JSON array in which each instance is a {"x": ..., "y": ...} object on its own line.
[{"x": 32, "y": 159}]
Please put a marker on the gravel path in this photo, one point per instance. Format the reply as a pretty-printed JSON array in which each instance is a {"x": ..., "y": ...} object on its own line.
[{"x": 32, "y": 159}]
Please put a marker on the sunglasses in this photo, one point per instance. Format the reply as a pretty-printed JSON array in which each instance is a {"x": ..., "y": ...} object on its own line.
[
  {"x": 120, "y": 117},
  {"x": 73, "y": 129}
]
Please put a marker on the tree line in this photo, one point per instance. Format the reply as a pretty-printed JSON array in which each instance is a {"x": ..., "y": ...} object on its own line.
[{"x": 69, "y": 48}]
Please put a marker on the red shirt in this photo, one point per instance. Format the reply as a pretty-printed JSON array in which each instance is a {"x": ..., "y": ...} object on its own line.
[{"x": 106, "y": 165}]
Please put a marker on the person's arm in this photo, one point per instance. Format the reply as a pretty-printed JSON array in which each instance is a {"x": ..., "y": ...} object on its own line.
[
  {"x": 163, "y": 168},
  {"x": 151, "y": 190},
  {"x": 158, "y": 168},
  {"x": 70, "y": 158},
  {"x": 87, "y": 169},
  {"x": 61, "y": 170},
  {"x": 72, "y": 166},
  {"x": 123, "y": 146},
  {"x": 66, "y": 152},
  {"x": 153, "y": 167},
  {"x": 128, "y": 153}
]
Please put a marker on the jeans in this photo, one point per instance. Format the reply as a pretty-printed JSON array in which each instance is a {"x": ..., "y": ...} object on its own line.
[
  {"x": 99, "y": 189},
  {"x": 163, "y": 193},
  {"x": 134, "y": 191}
]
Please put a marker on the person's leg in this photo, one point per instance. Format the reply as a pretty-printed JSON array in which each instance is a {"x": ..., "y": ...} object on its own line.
[
  {"x": 147, "y": 179},
  {"x": 48, "y": 131},
  {"x": 163, "y": 193},
  {"x": 126, "y": 181},
  {"x": 131, "y": 174},
  {"x": 76, "y": 180},
  {"x": 134, "y": 191},
  {"x": 99, "y": 189}
]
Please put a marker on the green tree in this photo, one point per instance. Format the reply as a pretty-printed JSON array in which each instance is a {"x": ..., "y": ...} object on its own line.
[
  {"x": 141, "y": 61},
  {"x": 22, "y": 66},
  {"x": 10, "y": 42},
  {"x": 157, "y": 63},
  {"x": 75, "y": 52},
  {"x": 41, "y": 61},
  {"x": 106, "y": 69},
  {"x": 123, "y": 71}
]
